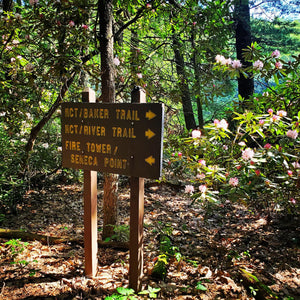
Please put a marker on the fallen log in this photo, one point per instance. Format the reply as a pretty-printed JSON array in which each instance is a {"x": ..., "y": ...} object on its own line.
[
  {"x": 47, "y": 239},
  {"x": 30, "y": 236}
]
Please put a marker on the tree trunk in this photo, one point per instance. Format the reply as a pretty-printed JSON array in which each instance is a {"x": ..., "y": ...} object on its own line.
[
  {"x": 183, "y": 86},
  {"x": 37, "y": 128},
  {"x": 105, "y": 10},
  {"x": 243, "y": 40},
  {"x": 197, "y": 84},
  {"x": 7, "y": 5}
]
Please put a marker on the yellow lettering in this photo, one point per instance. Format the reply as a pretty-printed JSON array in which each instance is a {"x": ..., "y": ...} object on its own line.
[
  {"x": 129, "y": 115},
  {"x": 98, "y": 148},
  {"x": 123, "y": 132},
  {"x": 94, "y": 130},
  {"x": 85, "y": 113},
  {"x": 136, "y": 117},
  {"x": 86, "y": 160},
  {"x": 72, "y": 145},
  {"x": 119, "y": 132},
  {"x": 122, "y": 114},
  {"x": 115, "y": 163}
]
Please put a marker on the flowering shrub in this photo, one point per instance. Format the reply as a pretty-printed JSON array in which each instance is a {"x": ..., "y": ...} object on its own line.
[{"x": 259, "y": 160}]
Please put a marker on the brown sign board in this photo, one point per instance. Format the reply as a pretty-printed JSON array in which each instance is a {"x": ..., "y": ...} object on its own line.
[{"x": 122, "y": 138}]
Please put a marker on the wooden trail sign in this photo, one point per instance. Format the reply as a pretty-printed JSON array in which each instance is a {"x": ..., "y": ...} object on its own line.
[
  {"x": 118, "y": 138},
  {"x": 122, "y": 138}
]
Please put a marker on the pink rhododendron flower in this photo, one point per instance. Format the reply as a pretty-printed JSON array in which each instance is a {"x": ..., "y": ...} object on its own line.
[
  {"x": 292, "y": 134},
  {"x": 236, "y": 64},
  {"x": 281, "y": 113},
  {"x": 238, "y": 167},
  {"x": 247, "y": 154},
  {"x": 148, "y": 5},
  {"x": 216, "y": 122},
  {"x": 220, "y": 59},
  {"x": 275, "y": 54},
  {"x": 84, "y": 26},
  {"x": 242, "y": 144},
  {"x": 252, "y": 163},
  {"x": 221, "y": 124},
  {"x": 179, "y": 154},
  {"x": 202, "y": 188},
  {"x": 270, "y": 111},
  {"x": 261, "y": 122},
  {"x": 225, "y": 147},
  {"x": 267, "y": 146},
  {"x": 293, "y": 201},
  {"x": 278, "y": 65},
  {"x": 228, "y": 61},
  {"x": 233, "y": 181},
  {"x": 257, "y": 172},
  {"x": 71, "y": 23},
  {"x": 200, "y": 176},
  {"x": 202, "y": 162},
  {"x": 275, "y": 118},
  {"x": 290, "y": 173},
  {"x": 196, "y": 134},
  {"x": 139, "y": 75},
  {"x": 296, "y": 165},
  {"x": 258, "y": 65},
  {"x": 116, "y": 61},
  {"x": 189, "y": 189}
]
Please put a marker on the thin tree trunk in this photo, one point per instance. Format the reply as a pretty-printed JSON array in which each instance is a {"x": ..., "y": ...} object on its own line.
[
  {"x": 110, "y": 197},
  {"x": 37, "y": 128},
  {"x": 243, "y": 40},
  {"x": 183, "y": 86},
  {"x": 197, "y": 89}
]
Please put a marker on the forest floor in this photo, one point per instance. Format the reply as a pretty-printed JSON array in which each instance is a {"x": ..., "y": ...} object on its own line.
[{"x": 227, "y": 252}]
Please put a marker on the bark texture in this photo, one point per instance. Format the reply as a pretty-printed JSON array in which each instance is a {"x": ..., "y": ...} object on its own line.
[
  {"x": 243, "y": 40},
  {"x": 183, "y": 86},
  {"x": 197, "y": 87},
  {"x": 110, "y": 196}
]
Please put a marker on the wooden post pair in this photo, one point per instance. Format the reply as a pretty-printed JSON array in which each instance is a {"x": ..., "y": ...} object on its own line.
[{"x": 136, "y": 213}]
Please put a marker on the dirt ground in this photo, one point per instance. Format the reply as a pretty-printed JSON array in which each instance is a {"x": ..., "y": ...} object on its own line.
[{"x": 228, "y": 251}]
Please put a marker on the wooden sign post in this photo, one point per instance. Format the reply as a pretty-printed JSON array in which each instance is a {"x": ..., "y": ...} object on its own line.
[
  {"x": 136, "y": 260},
  {"x": 121, "y": 138},
  {"x": 90, "y": 209}
]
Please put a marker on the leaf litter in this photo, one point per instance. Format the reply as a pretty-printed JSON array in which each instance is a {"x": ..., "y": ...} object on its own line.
[{"x": 224, "y": 252}]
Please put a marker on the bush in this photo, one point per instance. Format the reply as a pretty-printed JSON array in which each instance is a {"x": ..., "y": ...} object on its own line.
[{"x": 257, "y": 161}]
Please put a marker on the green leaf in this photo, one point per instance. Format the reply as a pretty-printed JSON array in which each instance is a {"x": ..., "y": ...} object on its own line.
[
  {"x": 276, "y": 79},
  {"x": 125, "y": 291},
  {"x": 201, "y": 287}
]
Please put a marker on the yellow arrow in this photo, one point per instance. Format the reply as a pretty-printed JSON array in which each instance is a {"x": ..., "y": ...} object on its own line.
[
  {"x": 150, "y": 160},
  {"x": 150, "y": 115},
  {"x": 149, "y": 134}
]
